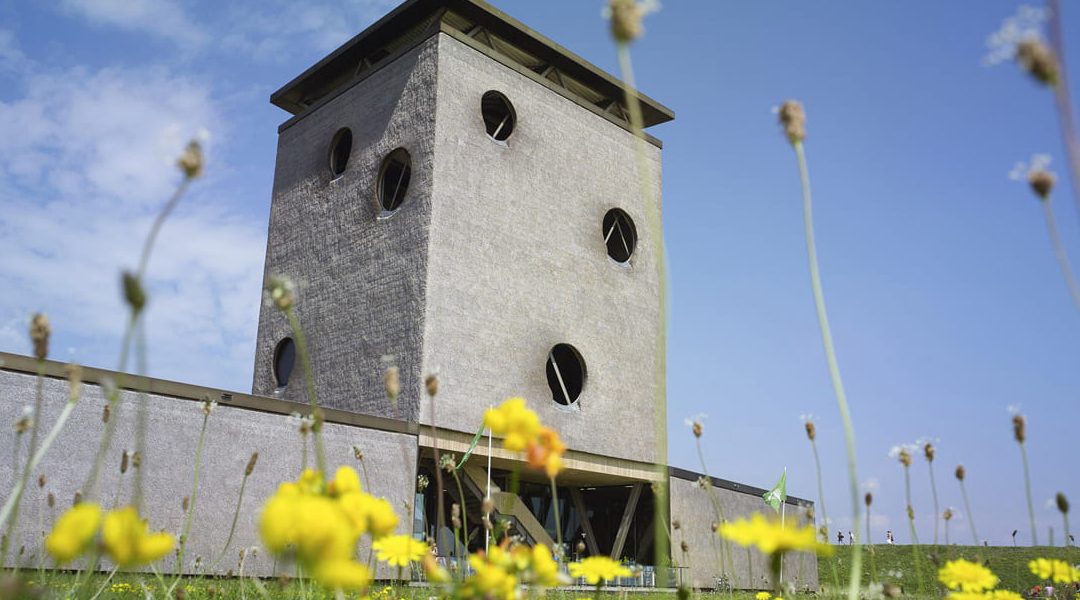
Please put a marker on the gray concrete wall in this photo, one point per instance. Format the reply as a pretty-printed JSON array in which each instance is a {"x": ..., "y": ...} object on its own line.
[
  {"x": 517, "y": 261},
  {"x": 232, "y": 435},
  {"x": 361, "y": 278},
  {"x": 692, "y": 506}
]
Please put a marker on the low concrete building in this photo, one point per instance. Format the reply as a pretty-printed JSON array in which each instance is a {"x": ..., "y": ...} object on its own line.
[{"x": 455, "y": 194}]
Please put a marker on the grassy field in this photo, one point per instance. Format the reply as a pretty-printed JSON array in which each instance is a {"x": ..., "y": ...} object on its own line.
[
  {"x": 896, "y": 563},
  {"x": 892, "y": 563}
]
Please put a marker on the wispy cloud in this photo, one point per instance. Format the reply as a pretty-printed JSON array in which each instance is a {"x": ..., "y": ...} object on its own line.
[
  {"x": 86, "y": 159},
  {"x": 160, "y": 18}
]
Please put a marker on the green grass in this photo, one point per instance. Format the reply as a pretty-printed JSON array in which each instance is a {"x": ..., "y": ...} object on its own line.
[
  {"x": 1008, "y": 563},
  {"x": 894, "y": 564}
]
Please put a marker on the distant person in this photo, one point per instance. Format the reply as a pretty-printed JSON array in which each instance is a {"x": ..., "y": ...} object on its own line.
[
  {"x": 889, "y": 538},
  {"x": 1049, "y": 590},
  {"x": 850, "y": 538},
  {"x": 839, "y": 537}
]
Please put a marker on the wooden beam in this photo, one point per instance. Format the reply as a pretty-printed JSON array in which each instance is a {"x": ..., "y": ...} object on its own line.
[
  {"x": 645, "y": 542},
  {"x": 586, "y": 525},
  {"x": 627, "y": 517}
]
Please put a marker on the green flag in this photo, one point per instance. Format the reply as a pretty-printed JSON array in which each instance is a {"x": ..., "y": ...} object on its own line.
[
  {"x": 776, "y": 496},
  {"x": 475, "y": 441}
]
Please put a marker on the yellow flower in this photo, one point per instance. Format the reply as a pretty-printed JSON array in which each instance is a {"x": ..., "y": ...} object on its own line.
[
  {"x": 357, "y": 508},
  {"x": 343, "y": 574},
  {"x": 762, "y": 596},
  {"x": 518, "y": 425},
  {"x": 966, "y": 576},
  {"x": 1056, "y": 570},
  {"x": 770, "y": 536},
  {"x": 73, "y": 532},
  {"x": 345, "y": 481},
  {"x": 433, "y": 571},
  {"x": 987, "y": 595},
  {"x": 545, "y": 571},
  {"x": 489, "y": 580},
  {"x": 128, "y": 542},
  {"x": 382, "y": 520},
  {"x": 399, "y": 550},
  {"x": 598, "y": 568}
]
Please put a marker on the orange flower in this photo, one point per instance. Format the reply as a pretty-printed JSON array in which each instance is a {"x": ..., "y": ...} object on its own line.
[{"x": 546, "y": 453}]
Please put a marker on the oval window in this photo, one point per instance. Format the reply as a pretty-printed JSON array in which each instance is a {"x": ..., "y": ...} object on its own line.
[
  {"x": 340, "y": 149},
  {"x": 394, "y": 178},
  {"x": 565, "y": 374},
  {"x": 499, "y": 117},
  {"x": 284, "y": 361},
  {"x": 620, "y": 235}
]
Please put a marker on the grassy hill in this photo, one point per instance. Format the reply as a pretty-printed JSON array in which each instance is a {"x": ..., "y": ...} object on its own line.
[{"x": 896, "y": 563}]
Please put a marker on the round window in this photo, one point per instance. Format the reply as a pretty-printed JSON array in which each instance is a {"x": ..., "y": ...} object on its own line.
[
  {"x": 499, "y": 117},
  {"x": 565, "y": 373},
  {"x": 340, "y": 149},
  {"x": 284, "y": 360},
  {"x": 394, "y": 179},
  {"x": 620, "y": 235}
]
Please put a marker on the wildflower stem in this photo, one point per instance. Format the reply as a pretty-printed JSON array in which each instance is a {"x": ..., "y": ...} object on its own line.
[
  {"x": 870, "y": 546},
  {"x": 717, "y": 507},
  {"x": 1060, "y": 253},
  {"x": 911, "y": 525},
  {"x": 9, "y": 504},
  {"x": 824, "y": 513},
  {"x": 558, "y": 523},
  {"x": 464, "y": 511},
  {"x": 194, "y": 496},
  {"x": 656, "y": 231},
  {"x": 104, "y": 584},
  {"x": 141, "y": 414},
  {"x": 834, "y": 368},
  {"x": 113, "y": 402},
  {"x": 440, "y": 510},
  {"x": 970, "y": 517},
  {"x": 1063, "y": 101},
  {"x": 232, "y": 527},
  {"x": 933, "y": 494},
  {"x": 309, "y": 379},
  {"x": 12, "y": 528},
  {"x": 155, "y": 228},
  {"x": 1027, "y": 489}
]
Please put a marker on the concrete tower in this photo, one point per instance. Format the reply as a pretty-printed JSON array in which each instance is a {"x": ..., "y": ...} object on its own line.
[{"x": 458, "y": 194}]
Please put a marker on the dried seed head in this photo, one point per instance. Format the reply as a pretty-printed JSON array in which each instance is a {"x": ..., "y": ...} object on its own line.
[
  {"x": 251, "y": 464},
  {"x": 1038, "y": 59},
  {"x": 421, "y": 482},
  {"x": 41, "y": 480},
  {"x": 580, "y": 547},
  {"x": 676, "y": 524},
  {"x": 105, "y": 412},
  {"x": 191, "y": 161},
  {"x": 948, "y": 514},
  {"x": 392, "y": 383},
  {"x": 793, "y": 119},
  {"x": 50, "y": 500},
  {"x": 487, "y": 506},
  {"x": 180, "y": 593},
  {"x": 74, "y": 377},
  {"x": 134, "y": 294},
  {"x": 703, "y": 482},
  {"x": 431, "y": 383},
  {"x": 910, "y": 513},
  {"x": 40, "y": 330},
  {"x": 77, "y": 499},
  {"x": 928, "y": 451},
  {"x": 455, "y": 510},
  {"x": 208, "y": 406},
  {"x": 23, "y": 424},
  {"x": 626, "y": 20},
  {"x": 1041, "y": 182},
  {"x": 869, "y": 498},
  {"x": 715, "y": 527},
  {"x": 136, "y": 459},
  {"x": 455, "y": 522},
  {"x": 123, "y": 462},
  {"x": 904, "y": 457},
  {"x": 1062, "y": 503},
  {"x": 281, "y": 292},
  {"x": 185, "y": 503},
  {"x": 685, "y": 547},
  {"x": 358, "y": 454},
  {"x": 960, "y": 472},
  {"x": 811, "y": 430},
  {"x": 447, "y": 462},
  {"x": 697, "y": 428},
  {"x": 1019, "y": 428}
]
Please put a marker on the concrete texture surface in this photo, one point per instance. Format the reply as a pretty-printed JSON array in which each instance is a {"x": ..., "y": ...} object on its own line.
[
  {"x": 693, "y": 507},
  {"x": 173, "y": 429}
]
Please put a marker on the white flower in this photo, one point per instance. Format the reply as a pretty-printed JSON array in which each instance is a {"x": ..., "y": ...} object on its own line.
[
  {"x": 1025, "y": 24},
  {"x": 1020, "y": 172}
]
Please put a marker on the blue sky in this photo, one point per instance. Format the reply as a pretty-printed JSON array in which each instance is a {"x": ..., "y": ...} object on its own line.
[{"x": 945, "y": 300}]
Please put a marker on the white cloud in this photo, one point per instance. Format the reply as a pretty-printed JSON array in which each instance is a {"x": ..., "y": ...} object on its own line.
[
  {"x": 11, "y": 56},
  {"x": 86, "y": 160},
  {"x": 161, "y": 18}
]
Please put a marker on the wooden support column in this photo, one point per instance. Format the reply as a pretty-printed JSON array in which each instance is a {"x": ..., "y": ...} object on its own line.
[
  {"x": 627, "y": 517},
  {"x": 586, "y": 525}
]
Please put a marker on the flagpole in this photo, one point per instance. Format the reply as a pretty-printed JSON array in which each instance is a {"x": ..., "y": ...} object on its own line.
[
  {"x": 783, "y": 509},
  {"x": 487, "y": 530}
]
